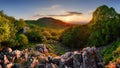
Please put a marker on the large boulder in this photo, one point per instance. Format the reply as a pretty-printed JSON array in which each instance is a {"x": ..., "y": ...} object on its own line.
[
  {"x": 17, "y": 53},
  {"x": 9, "y": 65},
  {"x": 78, "y": 60},
  {"x": 56, "y": 60},
  {"x": 51, "y": 65},
  {"x": 34, "y": 63},
  {"x": 16, "y": 65},
  {"x": 6, "y": 61},
  {"x": 40, "y": 66},
  {"x": 42, "y": 48},
  {"x": 67, "y": 55}
]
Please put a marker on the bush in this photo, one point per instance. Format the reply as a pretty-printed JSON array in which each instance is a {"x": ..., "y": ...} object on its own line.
[
  {"x": 35, "y": 36},
  {"x": 76, "y": 36},
  {"x": 112, "y": 51},
  {"x": 22, "y": 40}
]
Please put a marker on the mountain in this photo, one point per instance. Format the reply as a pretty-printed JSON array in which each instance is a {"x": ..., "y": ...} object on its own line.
[
  {"x": 103, "y": 13},
  {"x": 104, "y": 26},
  {"x": 104, "y": 30},
  {"x": 48, "y": 22}
]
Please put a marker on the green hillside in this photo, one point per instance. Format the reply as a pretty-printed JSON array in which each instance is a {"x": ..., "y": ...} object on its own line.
[{"x": 47, "y": 22}]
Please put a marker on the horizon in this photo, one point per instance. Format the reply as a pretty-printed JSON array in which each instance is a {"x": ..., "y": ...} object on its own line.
[{"x": 68, "y": 11}]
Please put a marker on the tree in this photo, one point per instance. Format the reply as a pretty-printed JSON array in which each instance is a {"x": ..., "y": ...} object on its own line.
[
  {"x": 20, "y": 24},
  {"x": 104, "y": 26},
  {"x": 4, "y": 29},
  {"x": 75, "y": 36},
  {"x": 35, "y": 36},
  {"x": 22, "y": 40}
]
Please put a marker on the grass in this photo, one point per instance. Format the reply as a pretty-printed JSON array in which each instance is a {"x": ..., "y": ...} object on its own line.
[
  {"x": 56, "y": 49},
  {"x": 109, "y": 52}
]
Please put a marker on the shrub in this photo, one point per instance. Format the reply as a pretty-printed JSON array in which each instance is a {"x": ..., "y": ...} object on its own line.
[
  {"x": 75, "y": 36},
  {"x": 35, "y": 36},
  {"x": 22, "y": 39}
]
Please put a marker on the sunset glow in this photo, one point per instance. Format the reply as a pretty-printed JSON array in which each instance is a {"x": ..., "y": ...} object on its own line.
[
  {"x": 76, "y": 11},
  {"x": 75, "y": 18}
]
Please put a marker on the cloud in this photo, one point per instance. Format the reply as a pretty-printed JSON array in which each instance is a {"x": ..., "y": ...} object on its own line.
[
  {"x": 68, "y": 13},
  {"x": 52, "y": 7},
  {"x": 74, "y": 13}
]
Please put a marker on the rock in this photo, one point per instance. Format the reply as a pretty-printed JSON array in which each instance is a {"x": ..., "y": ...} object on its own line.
[
  {"x": 51, "y": 65},
  {"x": 67, "y": 55},
  {"x": 0, "y": 66},
  {"x": 78, "y": 60},
  {"x": 62, "y": 64},
  {"x": 40, "y": 66},
  {"x": 24, "y": 56},
  {"x": 8, "y": 50},
  {"x": 69, "y": 62},
  {"x": 56, "y": 60},
  {"x": 1, "y": 56},
  {"x": 16, "y": 65},
  {"x": 9, "y": 65},
  {"x": 87, "y": 58},
  {"x": 42, "y": 48},
  {"x": 6, "y": 59},
  {"x": 34, "y": 63},
  {"x": 50, "y": 59},
  {"x": 17, "y": 53}
]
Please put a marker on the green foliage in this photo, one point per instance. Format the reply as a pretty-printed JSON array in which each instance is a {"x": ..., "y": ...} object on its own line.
[
  {"x": 109, "y": 53},
  {"x": 76, "y": 36},
  {"x": 9, "y": 27},
  {"x": 22, "y": 40},
  {"x": 104, "y": 26},
  {"x": 47, "y": 22},
  {"x": 56, "y": 49},
  {"x": 35, "y": 36},
  {"x": 20, "y": 24},
  {"x": 4, "y": 29}
]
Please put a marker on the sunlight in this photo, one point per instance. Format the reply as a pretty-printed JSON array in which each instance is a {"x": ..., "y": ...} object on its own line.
[{"x": 67, "y": 19}]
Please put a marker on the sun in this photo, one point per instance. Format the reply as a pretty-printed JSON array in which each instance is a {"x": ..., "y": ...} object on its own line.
[{"x": 67, "y": 19}]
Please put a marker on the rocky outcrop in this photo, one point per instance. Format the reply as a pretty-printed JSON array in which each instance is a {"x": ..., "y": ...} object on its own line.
[
  {"x": 114, "y": 64},
  {"x": 30, "y": 58}
]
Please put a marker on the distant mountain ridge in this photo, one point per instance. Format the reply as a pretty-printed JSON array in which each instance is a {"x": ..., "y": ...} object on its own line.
[{"x": 49, "y": 22}]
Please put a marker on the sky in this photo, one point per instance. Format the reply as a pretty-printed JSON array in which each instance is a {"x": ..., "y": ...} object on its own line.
[{"x": 79, "y": 11}]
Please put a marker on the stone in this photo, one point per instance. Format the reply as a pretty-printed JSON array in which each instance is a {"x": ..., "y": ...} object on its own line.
[
  {"x": 16, "y": 65},
  {"x": 34, "y": 63},
  {"x": 51, "y": 65},
  {"x": 40, "y": 66},
  {"x": 9, "y": 65},
  {"x": 56, "y": 60},
  {"x": 62, "y": 64},
  {"x": 6, "y": 59},
  {"x": 50, "y": 59},
  {"x": 9, "y": 50},
  {"x": 66, "y": 55},
  {"x": 78, "y": 60},
  {"x": 42, "y": 48},
  {"x": 17, "y": 53}
]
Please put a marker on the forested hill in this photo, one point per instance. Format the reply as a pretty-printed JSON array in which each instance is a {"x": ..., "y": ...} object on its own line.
[
  {"x": 104, "y": 26},
  {"x": 9, "y": 27},
  {"x": 49, "y": 22}
]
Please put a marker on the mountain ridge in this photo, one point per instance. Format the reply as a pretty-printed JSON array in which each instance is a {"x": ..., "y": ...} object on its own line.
[{"x": 49, "y": 21}]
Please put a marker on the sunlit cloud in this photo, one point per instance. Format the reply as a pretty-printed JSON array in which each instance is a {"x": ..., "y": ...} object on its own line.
[
  {"x": 52, "y": 7},
  {"x": 75, "y": 18},
  {"x": 74, "y": 13},
  {"x": 68, "y": 13},
  {"x": 59, "y": 12}
]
